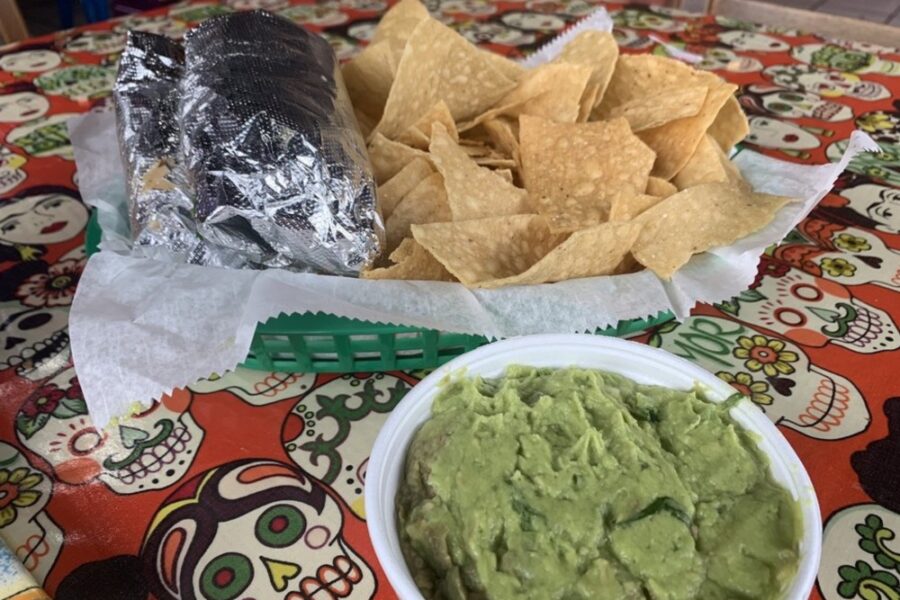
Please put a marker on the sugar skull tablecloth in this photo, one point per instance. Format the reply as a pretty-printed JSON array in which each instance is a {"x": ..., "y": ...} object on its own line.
[{"x": 250, "y": 485}]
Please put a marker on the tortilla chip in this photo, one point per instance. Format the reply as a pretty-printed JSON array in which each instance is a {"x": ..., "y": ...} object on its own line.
[
  {"x": 730, "y": 125},
  {"x": 660, "y": 187},
  {"x": 398, "y": 23},
  {"x": 439, "y": 64},
  {"x": 505, "y": 174},
  {"x": 675, "y": 142},
  {"x": 587, "y": 102},
  {"x": 590, "y": 252},
  {"x": 397, "y": 187},
  {"x": 625, "y": 207},
  {"x": 573, "y": 168},
  {"x": 637, "y": 76},
  {"x": 475, "y": 150},
  {"x": 473, "y": 192},
  {"x": 411, "y": 261},
  {"x": 552, "y": 91},
  {"x": 731, "y": 171},
  {"x": 495, "y": 162},
  {"x": 485, "y": 250},
  {"x": 368, "y": 77},
  {"x": 697, "y": 219},
  {"x": 366, "y": 123},
  {"x": 419, "y": 134},
  {"x": 389, "y": 157},
  {"x": 509, "y": 68},
  {"x": 703, "y": 167},
  {"x": 595, "y": 49},
  {"x": 503, "y": 136},
  {"x": 426, "y": 203},
  {"x": 661, "y": 107}
]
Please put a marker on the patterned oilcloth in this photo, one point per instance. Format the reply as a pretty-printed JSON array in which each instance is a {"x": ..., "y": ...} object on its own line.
[{"x": 813, "y": 342}]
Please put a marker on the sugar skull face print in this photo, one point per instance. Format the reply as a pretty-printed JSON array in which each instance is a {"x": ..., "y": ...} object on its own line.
[
  {"x": 774, "y": 133},
  {"x": 43, "y": 218},
  {"x": 21, "y": 107},
  {"x": 253, "y": 529},
  {"x": 826, "y": 83},
  {"x": 751, "y": 41},
  {"x": 880, "y": 203},
  {"x": 30, "y": 61}
]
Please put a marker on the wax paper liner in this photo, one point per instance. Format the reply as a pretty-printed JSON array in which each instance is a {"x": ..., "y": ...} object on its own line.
[{"x": 140, "y": 328}]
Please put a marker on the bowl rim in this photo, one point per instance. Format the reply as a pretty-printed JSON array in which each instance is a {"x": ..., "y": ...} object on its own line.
[{"x": 386, "y": 460}]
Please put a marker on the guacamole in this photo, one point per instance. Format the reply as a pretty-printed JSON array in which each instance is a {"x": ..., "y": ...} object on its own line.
[{"x": 573, "y": 483}]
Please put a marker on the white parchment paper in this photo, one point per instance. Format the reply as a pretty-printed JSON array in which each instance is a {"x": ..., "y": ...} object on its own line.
[{"x": 140, "y": 327}]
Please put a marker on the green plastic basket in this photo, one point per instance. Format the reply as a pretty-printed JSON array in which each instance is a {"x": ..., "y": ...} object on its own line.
[{"x": 323, "y": 343}]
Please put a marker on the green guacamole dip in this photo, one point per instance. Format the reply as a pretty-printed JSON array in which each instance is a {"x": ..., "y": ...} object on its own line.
[{"x": 572, "y": 483}]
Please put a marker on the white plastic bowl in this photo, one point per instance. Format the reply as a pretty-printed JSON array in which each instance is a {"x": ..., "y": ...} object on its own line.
[{"x": 636, "y": 361}]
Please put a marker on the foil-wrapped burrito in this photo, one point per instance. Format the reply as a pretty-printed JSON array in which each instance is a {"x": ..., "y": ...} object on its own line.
[{"x": 268, "y": 153}]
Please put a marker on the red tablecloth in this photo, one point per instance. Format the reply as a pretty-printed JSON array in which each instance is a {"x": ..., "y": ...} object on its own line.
[{"x": 814, "y": 341}]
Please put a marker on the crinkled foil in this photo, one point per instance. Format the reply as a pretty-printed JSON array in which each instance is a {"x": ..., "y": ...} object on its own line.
[
  {"x": 271, "y": 146},
  {"x": 242, "y": 149},
  {"x": 146, "y": 98}
]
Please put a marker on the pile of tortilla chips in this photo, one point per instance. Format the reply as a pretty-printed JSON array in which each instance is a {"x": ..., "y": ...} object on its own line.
[{"x": 594, "y": 164}]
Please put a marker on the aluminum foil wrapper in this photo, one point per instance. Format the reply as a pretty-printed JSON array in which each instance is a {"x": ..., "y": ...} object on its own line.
[
  {"x": 271, "y": 146},
  {"x": 147, "y": 98}
]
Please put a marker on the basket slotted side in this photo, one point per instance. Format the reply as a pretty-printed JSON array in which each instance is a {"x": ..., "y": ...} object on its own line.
[{"x": 322, "y": 343}]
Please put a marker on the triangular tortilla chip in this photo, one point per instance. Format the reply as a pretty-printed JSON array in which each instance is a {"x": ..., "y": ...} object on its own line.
[
  {"x": 439, "y": 64},
  {"x": 397, "y": 187},
  {"x": 552, "y": 91},
  {"x": 697, "y": 219},
  {"x": 595, "y": 49},
  {"x": 637, "y": 76},
  {"x": 591, "y": 252},
  {"x": 411, "y": 261},
  {"x": 675, "y": 142},
  {"x": 573, "y": 168},
  {"x": 485, "y": 250},
  {"x": 730, "y": 125},
  {"x": 703, "y": 167},
  {"x": 418, "y": 135},
  {"x": 642, "y": 75},
  {"x": 473, "y": 192},
  {"x": 389, "y": 157},
  {"x": 660, "y": 108},
  {"x": 368, "y": 77},
  {"x": 426, "y": 203},
  {"x": 398, "y": 23}
]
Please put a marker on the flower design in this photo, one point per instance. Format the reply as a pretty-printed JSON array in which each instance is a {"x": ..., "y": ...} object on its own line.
[
  {"x": 16, "y": 492},
  {"x": 852, "y": 243},
  {"x": 743, "y": 382},
  {"x": 762, "y": 354},
  {"x": 44, "y": 401},
  {"x": 74, "y": 390},
  {"x": 56, "y": 287},
  {"x": 838, "y": 267}
]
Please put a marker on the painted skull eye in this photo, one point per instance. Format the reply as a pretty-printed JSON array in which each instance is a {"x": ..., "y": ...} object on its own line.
[
  {"x": 280, "y": 526},
  {"x": 226, "y": 576},
  {"x": 807, "y": 292},
  {"x": 780, "y": 107}
]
